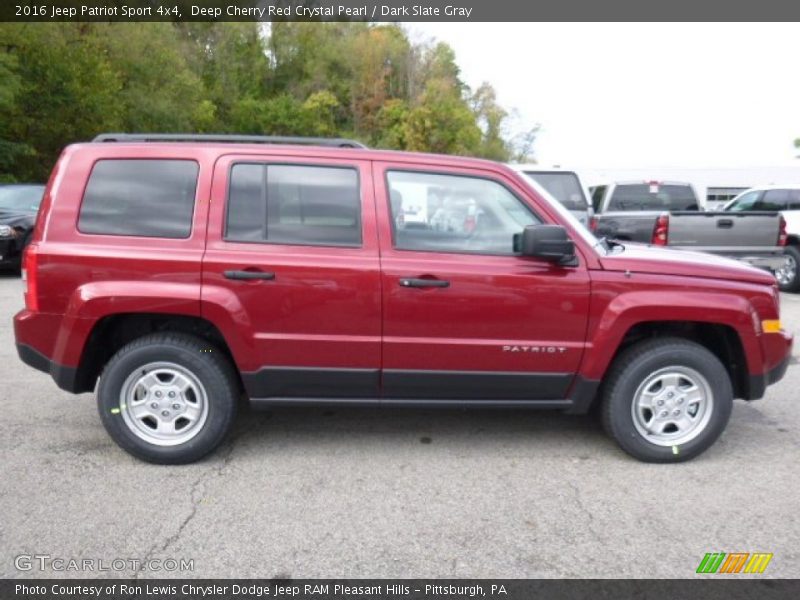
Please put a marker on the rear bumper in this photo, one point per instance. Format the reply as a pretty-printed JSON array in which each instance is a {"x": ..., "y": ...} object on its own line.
[
  {"x": 770, "y": 263},
  {"x": 767, "y": 258},
  {"x": 65, "y": 377},
  {"x": 9, "y": 253}
]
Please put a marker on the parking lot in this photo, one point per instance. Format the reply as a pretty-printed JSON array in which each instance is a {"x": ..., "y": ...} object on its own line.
[{"x": 392, "y": 493}]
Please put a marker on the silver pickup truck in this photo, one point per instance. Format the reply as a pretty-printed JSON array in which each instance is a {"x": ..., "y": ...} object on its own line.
[{"x": 669, "y": 214}]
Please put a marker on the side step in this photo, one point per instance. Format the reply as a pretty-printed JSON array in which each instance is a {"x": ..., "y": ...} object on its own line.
[{"x": 267, "y": 403}]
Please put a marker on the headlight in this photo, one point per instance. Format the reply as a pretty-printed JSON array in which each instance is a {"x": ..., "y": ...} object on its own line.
[{"x": 6, "y": 231}]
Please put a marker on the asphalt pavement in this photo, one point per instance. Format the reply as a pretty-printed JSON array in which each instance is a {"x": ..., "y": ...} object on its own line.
[{"x": 388, "y": 493}]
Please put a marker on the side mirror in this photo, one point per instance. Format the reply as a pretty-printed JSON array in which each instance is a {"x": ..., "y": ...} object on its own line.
[{"x": 548, "y": 242}]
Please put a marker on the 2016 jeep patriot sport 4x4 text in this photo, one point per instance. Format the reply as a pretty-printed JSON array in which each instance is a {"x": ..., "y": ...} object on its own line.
[{"x": 172, "y": 274}]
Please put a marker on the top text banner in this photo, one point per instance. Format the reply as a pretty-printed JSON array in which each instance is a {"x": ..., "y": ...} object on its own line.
[{"x": 397, "y": 10}]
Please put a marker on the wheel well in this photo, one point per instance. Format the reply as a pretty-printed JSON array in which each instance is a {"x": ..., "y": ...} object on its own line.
[
  {"x": 115, "y": 331},
  {"x": 792, "y": 240},
  {"x": 721, "y": 340}
]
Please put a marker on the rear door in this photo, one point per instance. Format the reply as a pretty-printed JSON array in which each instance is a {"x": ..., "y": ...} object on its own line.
[
  {"x": 291, "y": 268},
  {"x": 464, "y": 316}
]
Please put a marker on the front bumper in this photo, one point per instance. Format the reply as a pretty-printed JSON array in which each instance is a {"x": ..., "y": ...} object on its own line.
[{"x": 757, "y": 384}]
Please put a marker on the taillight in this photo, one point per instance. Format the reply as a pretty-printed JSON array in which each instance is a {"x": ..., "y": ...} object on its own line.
[
  {"x": 661, "y": 231},
  {"x": 782, "y": 235},
  {"x": 30, "y": 277},
  {"x": 593, "y": 224}
]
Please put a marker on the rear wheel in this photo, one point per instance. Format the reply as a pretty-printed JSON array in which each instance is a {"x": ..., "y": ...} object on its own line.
[
  {"x": 788, "y": 276},
  {"x": 666, "y": 400},
  {"x": 167, "y": 398}
]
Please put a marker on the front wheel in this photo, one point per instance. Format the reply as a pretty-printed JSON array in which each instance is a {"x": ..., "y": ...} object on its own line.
[
  {"x": 167, "y": 398},
  {"x": 788, "y": 276},
  {"x": 666, "y": 400}
]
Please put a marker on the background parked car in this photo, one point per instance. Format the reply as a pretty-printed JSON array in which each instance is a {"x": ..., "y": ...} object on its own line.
[
  {"x": 19, "y": 204},
  {"x": 563, "y": 185},
  {"x": 668, "y": 214},
  {"x": 786, "y": 200}
]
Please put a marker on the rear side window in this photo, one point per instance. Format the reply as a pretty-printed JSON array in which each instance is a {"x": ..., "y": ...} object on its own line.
[
  {"x": 652, "y": 197},
  {"x": 149, "y": 198},
  {"x": 747, "y": 201},
  {"x": 292, "y": 204},
  {"x": 563, "y": 186},
  {"x": 773, "y": 200}
]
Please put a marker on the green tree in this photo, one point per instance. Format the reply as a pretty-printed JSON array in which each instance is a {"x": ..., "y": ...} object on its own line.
[
  {"x": 392, "y": 125},
  {"x": 442, "y": 122},
  {"x": 66, "y": 82},
  {"x": 157, "y": 89},
  {"x": 66, "y": 92},
  {"x": 491, "y": 119},
  {"x": 10, "y": 150}
]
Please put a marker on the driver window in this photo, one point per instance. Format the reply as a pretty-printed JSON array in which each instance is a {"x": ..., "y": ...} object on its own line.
[{"x": 450, "y": 213}]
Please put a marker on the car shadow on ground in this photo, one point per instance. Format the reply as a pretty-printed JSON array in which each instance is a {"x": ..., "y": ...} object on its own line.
[{"x": 365, "y": 427}]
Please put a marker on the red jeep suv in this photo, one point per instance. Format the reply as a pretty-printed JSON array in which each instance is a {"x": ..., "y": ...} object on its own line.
[{"x": 172, "y": 274}]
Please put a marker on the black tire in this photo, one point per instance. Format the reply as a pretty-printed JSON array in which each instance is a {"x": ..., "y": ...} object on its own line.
[
  {"x": 792, "y": 285},
  {"x": 210, "y": 368},
  {"x": 633, "y": 368}
]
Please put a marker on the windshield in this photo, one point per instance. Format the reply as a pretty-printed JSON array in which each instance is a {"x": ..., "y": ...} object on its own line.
[
  {"x": 563, "y": 186},
  {"x": 652, "y": 196},
  {"x": 567, "y": 216},
  {"x": 21, "y": 198}
]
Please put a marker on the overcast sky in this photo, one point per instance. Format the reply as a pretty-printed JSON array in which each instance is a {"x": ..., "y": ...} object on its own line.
[{"x": 640, "y": 94}]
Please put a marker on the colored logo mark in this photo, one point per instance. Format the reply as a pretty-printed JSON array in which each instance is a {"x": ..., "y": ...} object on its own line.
[{"x": 735, "y": 562}]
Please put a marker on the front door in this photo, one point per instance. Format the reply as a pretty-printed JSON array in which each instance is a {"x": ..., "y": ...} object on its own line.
[{"x": 465, "y": 317}]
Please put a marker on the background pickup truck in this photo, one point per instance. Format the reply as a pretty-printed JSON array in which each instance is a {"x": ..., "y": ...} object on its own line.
[{"x": 669, "y": 214}]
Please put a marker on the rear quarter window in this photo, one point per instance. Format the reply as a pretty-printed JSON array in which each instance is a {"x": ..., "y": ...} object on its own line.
[{"x": 147, "y": 198}]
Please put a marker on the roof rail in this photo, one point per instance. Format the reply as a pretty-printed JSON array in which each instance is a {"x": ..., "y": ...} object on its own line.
[{"x": 228, "y": 139}]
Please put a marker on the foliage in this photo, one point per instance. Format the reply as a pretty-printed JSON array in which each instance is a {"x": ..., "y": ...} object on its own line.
[{"x": 62, "y": 83}]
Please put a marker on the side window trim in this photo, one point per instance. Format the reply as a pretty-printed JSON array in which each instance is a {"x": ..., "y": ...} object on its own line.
[
  {"x": 278, "y": 163},
  {"x": 389, "y": 169}
]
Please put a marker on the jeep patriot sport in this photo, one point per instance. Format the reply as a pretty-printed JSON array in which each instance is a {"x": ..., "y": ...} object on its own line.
[{"x": 172, "y": 274}]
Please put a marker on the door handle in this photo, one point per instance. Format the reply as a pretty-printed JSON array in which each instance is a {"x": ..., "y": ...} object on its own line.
[
  {"x": 725, "y": 223},
  {"x": 248, "y": 275},
  {"x": 417, "y": 282}
]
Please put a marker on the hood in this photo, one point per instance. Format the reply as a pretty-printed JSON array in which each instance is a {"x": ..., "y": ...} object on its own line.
[
  {"x": 17, "y": 219},
  {"x": 639, "y": 258}
]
